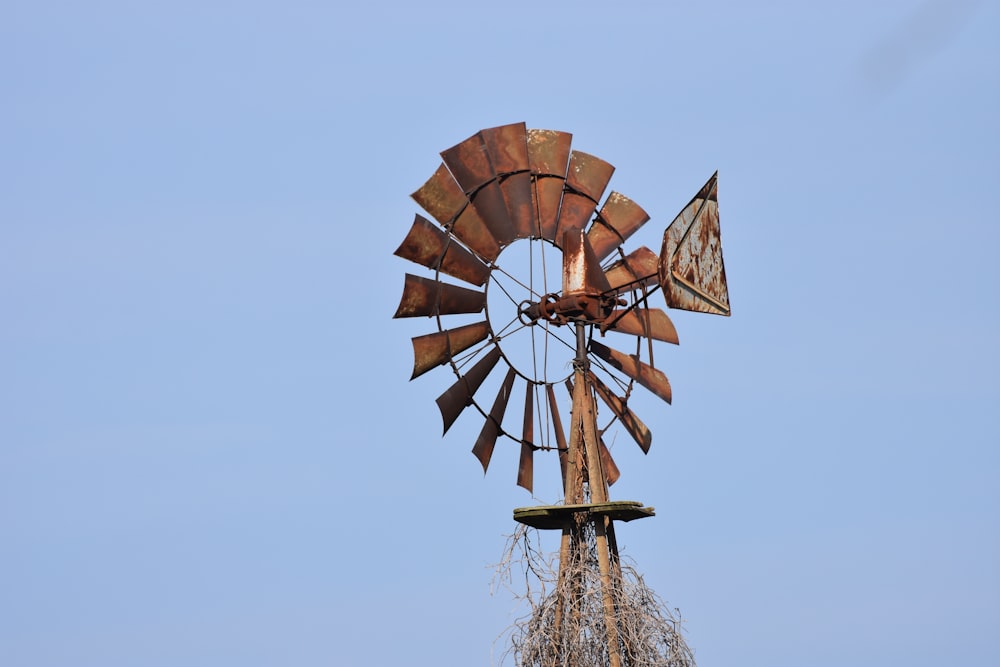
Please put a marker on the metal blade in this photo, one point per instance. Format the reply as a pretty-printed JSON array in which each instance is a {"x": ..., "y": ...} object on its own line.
[
  {"x": 649, "y": 322},
  {"x": 690, "y": 269},
  {"x": 507, "y": 147},
  {"x": 548, "y": 157},
  {"x": 437, "y": 348},
  {"x": 459, "y": 395},
  {"x": 423, "y": 296},
  {"x": 427, "y": 245},
  {"x": 588, "y": 175},
  {"x": 443, "y": 198},
  {"x": 526, "y": 464},
  {"x": 611, "y": 471},
  {"x": 516, "y": 190},
  {"x": 585, "y": 182},
  {"x": 558, "y": 429},
  {"x": 639, "y": 432},
  {"x": 638, "y": 268},
  {"x": 620, "y": 217},
  {"x": 470, "y": 164},
  {"x": 630, "y": 365},
  {"x": 483, "y": 449}
]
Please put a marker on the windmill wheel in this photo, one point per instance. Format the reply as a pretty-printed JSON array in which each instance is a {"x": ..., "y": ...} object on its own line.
[{"x": 520, "y": 220}]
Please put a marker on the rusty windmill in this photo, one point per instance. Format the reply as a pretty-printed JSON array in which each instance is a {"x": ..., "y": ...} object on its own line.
[{"x": 521, "y": 222}]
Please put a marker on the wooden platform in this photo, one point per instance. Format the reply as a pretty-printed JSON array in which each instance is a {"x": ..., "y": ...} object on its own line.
[{"x": 554, "y": 517}]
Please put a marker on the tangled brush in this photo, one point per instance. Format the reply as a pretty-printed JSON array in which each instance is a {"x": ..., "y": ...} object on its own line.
[{"x": 566, "y": 626}]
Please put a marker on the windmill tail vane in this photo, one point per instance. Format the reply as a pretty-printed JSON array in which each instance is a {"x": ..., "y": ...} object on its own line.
[{"x": 520, "y": 221}]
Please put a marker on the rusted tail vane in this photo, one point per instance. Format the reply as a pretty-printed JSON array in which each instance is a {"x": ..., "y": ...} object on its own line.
[
  {"x": 630, "y": 365},
  {"x": 459, "y": 395},
  {"x": 691, "y": 271}
]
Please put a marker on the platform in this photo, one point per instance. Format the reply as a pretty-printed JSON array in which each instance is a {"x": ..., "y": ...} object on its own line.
[{"x": 554, "y": 517}]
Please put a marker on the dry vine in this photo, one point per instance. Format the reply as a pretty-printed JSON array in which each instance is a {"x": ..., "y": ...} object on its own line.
[{"x": 650, "y": 636}]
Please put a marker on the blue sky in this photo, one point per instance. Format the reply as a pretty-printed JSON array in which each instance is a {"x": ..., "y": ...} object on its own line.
[{"x": 209, "y": 450}]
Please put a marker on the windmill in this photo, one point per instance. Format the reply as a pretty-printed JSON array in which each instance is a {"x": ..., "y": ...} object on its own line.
[{"x": 547, "y": 277}]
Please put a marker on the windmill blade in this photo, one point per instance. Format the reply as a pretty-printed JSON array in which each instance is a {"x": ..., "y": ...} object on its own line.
[
  {"x": 639, "y": 432},
  {"x": 585, "y": 182},
  {"x": 487, "y": 440},
  {"x": 548, "y": 157},
  {"x": 453, "y": 401},
  {"x": 638, "y": 268},
  {"x": 427, "y": 245},
  {"x": 507, "y": 147},
  {"x": 423, "y": 296},
  {"x": 649, "y": 322},
  {"x": 690, "y": 268},
  {"x": 470, "y": 164},
  {"x": 437, "y": 348},
  {"x": 443, "y": 198},
  {"x": 620, "y": 217},
  {"x": 611, "y": 471},
  {"x": 630, "y": 365},
  {"x": 526, "y": 464},
  {"x": 558, "y": 429}
]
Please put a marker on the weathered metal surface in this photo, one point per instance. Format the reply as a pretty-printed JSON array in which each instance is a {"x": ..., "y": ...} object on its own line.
[
  {"x": 507, "y": 147},
  {"x": 437, "y": 348},
  {"x": 453, "y": 401},
  {"x": 639, "y": 432},
  {"x": 589, "y": 175},
  {"x": 575, "y": 212},
  {"x": 470, "y": 164},
  {"x": 423, "y": 296},
  {"x": 638, "y": 268},
  {"x": 585, "y": 182},
  {"x": 548, "y": 157},
  {"x": 442, "y": 197},
  {"x": 690, "y": 268},
  {"x": 483, "y": 449},
  {"x": 555, "y": 517},
  {"x": 619, "y": 218},
  {"x": 557, "y": 428},
  {"x": 608, "y": 465},
  {"x": 629, "y": 364},
  {"x": 426, "y": 244},
  {"x": 526, "y": 463},
  {"x": 649, "y": 322},
  {"x": 581, "y": 272}
]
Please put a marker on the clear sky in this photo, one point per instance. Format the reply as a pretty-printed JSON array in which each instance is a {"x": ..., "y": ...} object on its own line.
[{"x": 209, "y": 450}]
